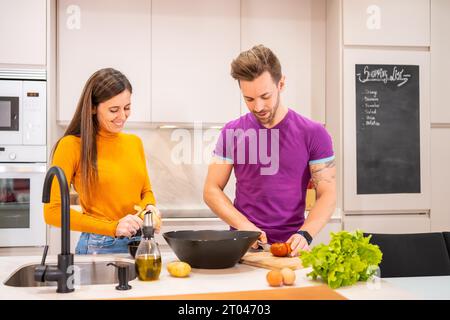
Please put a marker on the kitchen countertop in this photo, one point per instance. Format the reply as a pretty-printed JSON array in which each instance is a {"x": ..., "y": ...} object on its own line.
[
  {"x": 434, "y": 288},
  {"x": 239, "y": 278}
]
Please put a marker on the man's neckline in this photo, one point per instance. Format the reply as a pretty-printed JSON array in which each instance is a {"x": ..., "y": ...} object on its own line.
[{"x": 280, "y": 124}]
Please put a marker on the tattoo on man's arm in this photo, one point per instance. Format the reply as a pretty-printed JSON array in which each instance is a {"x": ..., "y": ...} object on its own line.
[
  {"x": 318, "y": 175},
  {"x": 328, "y": 164}
]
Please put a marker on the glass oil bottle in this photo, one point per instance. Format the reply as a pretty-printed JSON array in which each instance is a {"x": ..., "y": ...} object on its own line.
[{"x": 148, "y": 256}]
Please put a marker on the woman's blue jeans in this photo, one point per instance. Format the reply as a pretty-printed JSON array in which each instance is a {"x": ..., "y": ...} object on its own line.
[{"x": 91, "y": 243}]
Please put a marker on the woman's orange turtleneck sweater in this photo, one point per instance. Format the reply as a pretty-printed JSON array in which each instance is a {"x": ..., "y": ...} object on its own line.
[{"x": 123, "y": 182}]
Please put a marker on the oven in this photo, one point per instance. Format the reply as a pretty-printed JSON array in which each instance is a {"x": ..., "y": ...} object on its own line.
[
  {"x": 21, "y": 208},
  {"x": 23, "y": 156}
]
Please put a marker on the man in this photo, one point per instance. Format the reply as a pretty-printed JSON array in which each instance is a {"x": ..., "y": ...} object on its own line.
[{"x": 274, "y": 152}]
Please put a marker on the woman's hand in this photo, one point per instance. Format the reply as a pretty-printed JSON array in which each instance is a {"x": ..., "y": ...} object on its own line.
[
  {"x": 128, "y": 226},
  {"x": 157, "y": 222}
]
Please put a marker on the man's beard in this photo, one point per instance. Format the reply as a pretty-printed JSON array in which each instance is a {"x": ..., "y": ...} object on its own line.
[{"x": 272, "y": 112}]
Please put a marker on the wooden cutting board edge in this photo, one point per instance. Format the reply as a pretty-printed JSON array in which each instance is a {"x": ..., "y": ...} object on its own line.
[
  {"x": 258, "y": 265},
  {"x": 267, "y": 261}
]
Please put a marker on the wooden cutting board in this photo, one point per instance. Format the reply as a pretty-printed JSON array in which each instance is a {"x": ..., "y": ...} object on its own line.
[
  {"x": 320, "y": 292},
  {"x": 269, "y": 261}
]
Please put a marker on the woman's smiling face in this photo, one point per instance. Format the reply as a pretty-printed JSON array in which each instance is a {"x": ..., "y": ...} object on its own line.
[{"x": 112, "y": 113}]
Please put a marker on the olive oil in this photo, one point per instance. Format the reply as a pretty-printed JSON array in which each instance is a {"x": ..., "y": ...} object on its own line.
[
  {"x": 148, "y": 267},
  {"x": 148, "y": 256}
]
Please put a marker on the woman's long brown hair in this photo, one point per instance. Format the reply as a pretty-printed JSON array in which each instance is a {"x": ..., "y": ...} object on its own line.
[{"x": 100, "y": 87}]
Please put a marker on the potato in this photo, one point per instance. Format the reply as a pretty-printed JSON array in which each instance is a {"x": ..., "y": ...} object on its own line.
[
  {"x": 179, "y": 269},
  {"x": 288, "y": 276},
  {"x": 157, "y": 221}
]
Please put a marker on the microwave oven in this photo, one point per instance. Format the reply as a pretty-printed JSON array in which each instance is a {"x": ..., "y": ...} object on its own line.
[{"x": 23, "y": 121}]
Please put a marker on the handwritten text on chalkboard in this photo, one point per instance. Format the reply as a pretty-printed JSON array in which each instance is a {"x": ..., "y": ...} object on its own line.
[
  {"x": 383, "y": 75},
  {"x": 387, "y": 129}
]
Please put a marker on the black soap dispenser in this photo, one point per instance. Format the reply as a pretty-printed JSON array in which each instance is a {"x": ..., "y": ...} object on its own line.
[{"x": 124, "y": 274}]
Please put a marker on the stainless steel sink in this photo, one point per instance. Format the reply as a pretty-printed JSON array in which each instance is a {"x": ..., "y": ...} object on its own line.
[{"x": 86, "y": 273}]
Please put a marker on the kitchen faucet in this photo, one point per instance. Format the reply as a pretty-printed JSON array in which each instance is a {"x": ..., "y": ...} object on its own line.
[{"x": 64, "y": 272}]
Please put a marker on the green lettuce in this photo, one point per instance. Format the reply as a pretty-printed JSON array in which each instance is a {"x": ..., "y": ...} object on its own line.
[{"x": 348, "y": 258}]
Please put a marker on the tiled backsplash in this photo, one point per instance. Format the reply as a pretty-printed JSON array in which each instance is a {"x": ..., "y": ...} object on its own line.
[{"x": 178, "y": 185}]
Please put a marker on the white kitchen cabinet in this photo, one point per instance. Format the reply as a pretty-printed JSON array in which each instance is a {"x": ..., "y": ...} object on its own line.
[
  {"x": 440, "y": 175},
  {"x": 99, "y": 34},
  {"x": 193, "y": 44},
  {"x": 391, "y": 223},
  {"x": 295, "y": 31},
  {"x": 387, "y": 22},
  {"x": 324, "y": 236},
  {"x": 440, "y": 63},
  {"x": 23, "y": 32}
]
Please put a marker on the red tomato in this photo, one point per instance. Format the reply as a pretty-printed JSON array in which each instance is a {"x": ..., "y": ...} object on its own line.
[{"x": 280, "y": 249}]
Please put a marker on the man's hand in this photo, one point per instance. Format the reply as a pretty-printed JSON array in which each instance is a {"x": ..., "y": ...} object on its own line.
[
  {"x": 323, "y": 176},
  {"x": 262, "y": 237},
  {"x": 218, "y": 174},
  {"x": 297, "y": 243},
  {"x": 128, "y": 226}
]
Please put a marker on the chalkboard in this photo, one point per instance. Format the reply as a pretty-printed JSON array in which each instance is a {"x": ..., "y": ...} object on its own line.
[{"x": 387, "y": 129}]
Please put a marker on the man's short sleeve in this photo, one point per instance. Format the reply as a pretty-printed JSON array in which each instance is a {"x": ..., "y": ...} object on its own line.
[
  {"x": 224, "y": 149},
  {"x": 321, "y": 146}
]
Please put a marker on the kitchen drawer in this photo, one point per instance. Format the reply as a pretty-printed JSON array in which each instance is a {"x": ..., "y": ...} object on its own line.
[{"x": 381, "y": 223}]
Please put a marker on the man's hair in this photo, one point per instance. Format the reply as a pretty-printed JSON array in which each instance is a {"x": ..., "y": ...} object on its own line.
[{"x": 250, "y": 64}]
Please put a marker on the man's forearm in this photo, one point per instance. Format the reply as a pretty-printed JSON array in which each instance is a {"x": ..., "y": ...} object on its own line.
[
  {"x": 222, "y": 206},
  {"x": 320, "y": 214}
]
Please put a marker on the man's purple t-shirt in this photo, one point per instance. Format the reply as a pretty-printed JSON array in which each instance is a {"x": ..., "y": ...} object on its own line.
[{"x": 272, "y": 169}]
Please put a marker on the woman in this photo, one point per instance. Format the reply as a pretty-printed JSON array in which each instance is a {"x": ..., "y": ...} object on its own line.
[{"x": 106, "y": 167}]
